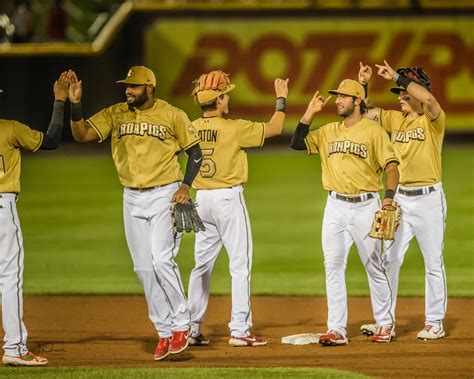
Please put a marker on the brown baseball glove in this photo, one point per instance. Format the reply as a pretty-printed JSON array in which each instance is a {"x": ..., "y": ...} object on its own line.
[
  {"x": 386, "y": 221},
  {"x": 216, "y": 80}
]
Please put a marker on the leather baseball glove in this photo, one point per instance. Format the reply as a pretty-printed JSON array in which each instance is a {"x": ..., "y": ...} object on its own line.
[
  {"x": 386, "y": 221},
  {"x": 185, "y": 218},
  {"x": 216, "y": 80}
]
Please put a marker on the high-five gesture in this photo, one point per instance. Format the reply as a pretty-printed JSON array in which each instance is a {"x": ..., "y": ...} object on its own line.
[
  {"x": 385, "y": 71},
  {"x": 61, "y": 87},
  {"x": 281, "y": 87},
  {"x": 365, "y": 73},
  {"x": 75, "y": 88}
]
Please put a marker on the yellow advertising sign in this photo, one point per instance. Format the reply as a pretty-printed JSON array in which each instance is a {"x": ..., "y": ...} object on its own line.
[{"x": 316, "y": 54}]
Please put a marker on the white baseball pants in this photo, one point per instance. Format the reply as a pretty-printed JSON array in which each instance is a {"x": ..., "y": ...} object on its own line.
[
  {"x": 11, "y": 277},
  {"x": 149, "y": 233},
  {"x": 423, "y": 217},
  {"x": 224, "y": 213},
  {"x": 345, "y": 223}
]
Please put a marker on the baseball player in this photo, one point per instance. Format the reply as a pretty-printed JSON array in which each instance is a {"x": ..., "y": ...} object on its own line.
[
  {"x": 417, "y": 133},
  {"x": 353, "y": 154},
  {"x": 13, "y": 137},
  {"x": 146, "y": 136},
  {"x": 220, "y": 195}
]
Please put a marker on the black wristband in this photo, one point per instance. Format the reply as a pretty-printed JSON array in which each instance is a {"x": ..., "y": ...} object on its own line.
[
  {"x": 280, "y": 104},
  {"x": 366, "y": 89},
  {"x": 76, "y": 112},
  {"x": 402, "y": 81},
  {"x": 389, "y": 194}
]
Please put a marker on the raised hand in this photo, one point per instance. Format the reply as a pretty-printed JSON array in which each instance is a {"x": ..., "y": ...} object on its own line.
[
  {"x": 75, "y": 87},
  {"x": 281, "y": 87},
  {"x": 365, "y": 73},
  {"x": 61, "y": 87},
  {"x": 317, "y": 103},
  {"x": 385, "y": 71}
]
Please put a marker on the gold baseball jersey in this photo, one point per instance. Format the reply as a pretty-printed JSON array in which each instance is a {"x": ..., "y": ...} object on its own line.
[
  {"x": 223, "y": 144},
  {"x": 352, "y": 159},
  {"x": 418, "y": 143},
  {"x": 13, "y": 136},
  {"x": 145, "y": 144}
]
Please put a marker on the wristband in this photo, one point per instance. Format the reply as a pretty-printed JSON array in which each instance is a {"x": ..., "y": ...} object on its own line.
[
  {"x": 76, "y": 112},
  {"x": 389, "y": 194},
  {"x": 280, "y": 104}
]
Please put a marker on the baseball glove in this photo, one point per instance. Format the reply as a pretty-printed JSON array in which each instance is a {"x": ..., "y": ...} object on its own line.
[
  {"x": 185, "y": 218},
  {"x": 386, "y": 222},
  {"x": 216, "y": 80}
]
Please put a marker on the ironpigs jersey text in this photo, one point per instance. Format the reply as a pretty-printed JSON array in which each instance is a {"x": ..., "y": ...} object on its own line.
[
  {"x": 223, "y": 144},
  {"x": 352, "y": 159},
  {"x": 13, "y": 136},
  {"x": 145, "y": 144},
  {"x": 418, "y": 143}
]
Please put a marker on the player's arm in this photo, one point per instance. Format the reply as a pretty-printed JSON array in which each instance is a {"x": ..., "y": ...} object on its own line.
[
  {"x": 364, "y": 76},
  {"x": 192, "y": 168},
  {"x": 81, "y": 131},
  {"x": 315, "y": 105},
  {"x": 430, "y": 104},
  {"x": 52, "y": 136},
  {"x": 275, "y": 126},
  {"x": 391, "y": 182}
]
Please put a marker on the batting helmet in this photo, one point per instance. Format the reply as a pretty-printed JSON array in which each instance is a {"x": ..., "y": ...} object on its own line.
[{"x": 417, "y": 74}]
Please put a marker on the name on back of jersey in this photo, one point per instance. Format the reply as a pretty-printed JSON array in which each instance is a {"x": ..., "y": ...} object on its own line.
[
  {"x": 141, "y": 129},
  {"x": 208, "y": 135},
  {"x": 347, "y": 146},
  {"x": 417, "y": 134}
]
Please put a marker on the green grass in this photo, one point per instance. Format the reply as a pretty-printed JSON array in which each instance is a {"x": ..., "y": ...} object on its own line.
[
  {"x": 71, "y": 215},
  {"x": 205, "y": 373}
]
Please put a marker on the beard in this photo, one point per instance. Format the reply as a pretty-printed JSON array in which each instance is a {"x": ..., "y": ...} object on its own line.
[
  {"x": 346, "y": 112},
  {"x": 138, "y": 101}
]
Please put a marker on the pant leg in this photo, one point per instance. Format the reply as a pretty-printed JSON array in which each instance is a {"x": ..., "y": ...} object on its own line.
[
  {"x": 370, "y": 253},
  {"x": 11, "y": 277},
  {"x": 336, "y": 242},
  {"x": 207, "y": 246},
  {"x": 394, "y": 251},
  {"x": 429, "y": 220},
  {"x": 164, "y": 247},
  {"x": 232, "y": 221},
  {"x": 137, "y": 233}
]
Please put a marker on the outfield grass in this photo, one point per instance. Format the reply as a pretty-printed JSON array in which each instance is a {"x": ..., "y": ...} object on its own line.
[
  {"x": 71, "y": 214},
  {"x": 163, "y": 373}
]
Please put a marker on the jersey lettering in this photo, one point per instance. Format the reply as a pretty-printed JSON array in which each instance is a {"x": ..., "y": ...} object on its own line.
[
  {"x": 346, "y": 146},
  {"x": 141, "y": 129},
  {"x": 207, "y": 135},
  {"x": 2, "y": 165},
  {"x": 417, "y": 134}
]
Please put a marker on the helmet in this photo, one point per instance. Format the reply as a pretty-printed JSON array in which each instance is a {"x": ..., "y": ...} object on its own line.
[{"x": 417, "y": 74}]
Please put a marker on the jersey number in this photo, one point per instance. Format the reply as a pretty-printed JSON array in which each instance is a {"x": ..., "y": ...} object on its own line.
[{"x": 208, "y": 167}]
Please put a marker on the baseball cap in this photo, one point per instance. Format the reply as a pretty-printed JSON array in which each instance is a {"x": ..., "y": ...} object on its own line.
[
  {"x": 139, "y": 75},
  {"x": 349, "y": 87},
  {"x": 208, "y": 95}
]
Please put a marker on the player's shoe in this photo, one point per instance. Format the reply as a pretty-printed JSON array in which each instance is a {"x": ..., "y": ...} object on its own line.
[
  {"x": 162, "y": 349},
  {"x": 370, "y": 329},
  {"x": 179, "y": 341},
  {"x": 333, "y": 338},
  {"x": 28, "y": 359},
  {"x": 249, "y": 340},
  {"x": 198, "y": 340},
  {"x": 384, "y": 333},
  {"x": 432, "y": 332}
]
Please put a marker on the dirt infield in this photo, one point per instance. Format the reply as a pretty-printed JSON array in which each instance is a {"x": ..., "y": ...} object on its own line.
[{"x": 114, "y": 331}]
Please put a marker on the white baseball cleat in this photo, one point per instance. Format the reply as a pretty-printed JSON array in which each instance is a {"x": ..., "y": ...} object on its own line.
[
  {"x": 370, "y": 330},
  {"x": 28, "y": 359},
  {"x": 432, "y": 332},
  {"x": 249, "y": 340}
]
